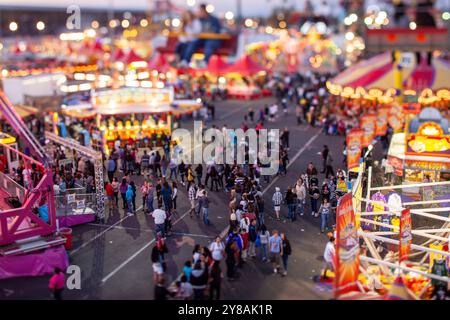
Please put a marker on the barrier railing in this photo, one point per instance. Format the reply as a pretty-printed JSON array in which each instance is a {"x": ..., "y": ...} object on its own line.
[{"x": 12, "y": 187}]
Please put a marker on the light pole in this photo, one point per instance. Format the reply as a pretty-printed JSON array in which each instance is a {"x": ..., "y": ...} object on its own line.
[{"x": 238, "y": 14}]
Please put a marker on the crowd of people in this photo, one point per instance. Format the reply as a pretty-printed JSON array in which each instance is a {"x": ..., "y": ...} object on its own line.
[{"x": 248, "y": 237}]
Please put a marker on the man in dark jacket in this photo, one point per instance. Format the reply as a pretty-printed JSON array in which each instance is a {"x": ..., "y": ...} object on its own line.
[
  {"x": 199, "y": 280},
  {"x": 252, "y": 235}
]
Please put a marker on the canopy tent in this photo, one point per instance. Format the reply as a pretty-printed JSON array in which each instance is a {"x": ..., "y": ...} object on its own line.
[
  {"x": 217, "y": 66},
  {"x": 245, "y": 66},
  {"x": 24, "y": 111},
  {"x": 97, "y": 47},
  {"x": 118, "y": 55},
  {"x": 159, "y": 63},
  {"x": 378, "y": 73},
  {"x": 131, "y": 57}
]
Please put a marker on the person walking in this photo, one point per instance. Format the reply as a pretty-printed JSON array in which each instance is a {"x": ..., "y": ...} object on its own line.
[
  {"x": 252, "y": 235},
  {"x": 129, "y": 198},
  {"x": 264, "y": 236},
  {"x": 190, "y": 176},
  {"x": 300, "y": 190},
  {"x": 115, "y": 185},
  {"x": 325, "y": 211},
  {"x": 182, "y": 172},
  {"x": 260, "y": 209},
  {"x": 275, "y": 250},
  {"x": 109, "y": 191},
  {"x": 231, "y": 251},
  {"x": 159, "y": 217},
  {"x": 173, "y": 169},
  {"x": 291, "y": 202},
  {"x": 150, "y": 198},
  {"x": 166, "y": 194},
  {"x": 134, "y": 189},
  {"x": 314, "y": 194},
  {"x": 199, "y": 280},
  {"x": 145, "y": 164},
  {"x": 286, "y": 252},
  {"x": 217, "y": 249},
  {"x": 204, "y": 204},
  {"x": 277, "y": 199},
  {"x": 329, "y": 257},
  {"x": 111, "y": 168},
  {"x": 199, "y": 174},
  {"x": 56, "y": 283},
  {"x": 329, "y": 165},
  {"x": 158, "y": 189},
  {"x": 174, "y": 196},
  {"x": 144, "y": 193},
  {"x": 324, "y": 155},
  {"x": 123, "y": 190},
  {"x": 215, "y": 280},
  {"x": 192, "y": 193}
]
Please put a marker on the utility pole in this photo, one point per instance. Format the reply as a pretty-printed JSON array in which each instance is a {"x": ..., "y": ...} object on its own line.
[{"x": 238, "y": 14}]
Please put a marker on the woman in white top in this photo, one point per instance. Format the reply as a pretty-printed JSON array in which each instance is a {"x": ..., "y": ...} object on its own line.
[
  {"x": 191, "y": 27},
  {"x": 300, "y": 190},
  {"x": 217, "y": 249}
]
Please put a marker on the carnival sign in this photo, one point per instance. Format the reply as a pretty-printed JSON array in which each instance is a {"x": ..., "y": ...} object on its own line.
[
  {"x": 382, "y": 121},
  {"x": 368, "y": 123},
  {"x": 347, "y": 248},
  {"x": 405, "y": 234},
  {"x": 354, "y": 138}
]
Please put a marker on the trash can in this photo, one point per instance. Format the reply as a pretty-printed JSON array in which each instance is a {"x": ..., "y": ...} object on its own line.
[{"x": 67, "y": 233}]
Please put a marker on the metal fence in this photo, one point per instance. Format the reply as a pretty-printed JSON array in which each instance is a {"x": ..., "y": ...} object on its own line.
[
  {"x": 12, "y": 187},
  {"x": 71, "y": 203}
]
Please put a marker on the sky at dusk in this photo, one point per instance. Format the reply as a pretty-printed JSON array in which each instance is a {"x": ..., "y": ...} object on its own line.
[{"x": 249, "y": 7}]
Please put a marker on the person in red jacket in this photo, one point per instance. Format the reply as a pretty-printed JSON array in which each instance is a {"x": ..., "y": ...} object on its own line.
[{"x": 57, "y": 283}]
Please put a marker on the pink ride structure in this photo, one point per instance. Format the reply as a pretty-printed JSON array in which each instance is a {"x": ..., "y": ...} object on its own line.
[{"x": 23, "y": 224}]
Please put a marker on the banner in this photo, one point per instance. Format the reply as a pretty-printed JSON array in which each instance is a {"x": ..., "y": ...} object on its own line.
[
  {"x": 405, "y": 235},
  {"x": 347, "y": 248},
  {"x": 368, "y": 124},
  {"x": 354, "y": 148},
  {"x": 396, "y": 117},
  {"x": 382, "y": 121}
]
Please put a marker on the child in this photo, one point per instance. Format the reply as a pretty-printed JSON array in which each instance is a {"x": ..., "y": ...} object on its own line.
[{"x": 187, "y": 269}]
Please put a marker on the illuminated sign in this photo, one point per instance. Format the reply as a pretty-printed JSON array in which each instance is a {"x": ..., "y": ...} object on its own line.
[{"x": 430, "y": 129}]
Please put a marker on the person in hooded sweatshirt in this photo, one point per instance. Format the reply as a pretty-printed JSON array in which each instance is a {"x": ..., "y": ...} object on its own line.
[
  {"x": 199, "y": 280},
  {"x": 129, "y": 197}
]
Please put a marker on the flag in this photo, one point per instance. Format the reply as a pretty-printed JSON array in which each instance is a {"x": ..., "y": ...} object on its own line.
[
  {"x": 347, "y": 248},
  {"x": 405, "y": 234},
  {"x": 354, "y": 148}
]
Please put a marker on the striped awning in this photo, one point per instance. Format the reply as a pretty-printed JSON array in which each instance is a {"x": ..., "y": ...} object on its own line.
[{"x": 378, "y": 73}]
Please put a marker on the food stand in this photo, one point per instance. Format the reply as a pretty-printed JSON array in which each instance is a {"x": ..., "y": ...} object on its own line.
[
  {"x": 423, "y": 151},
  {"x": 137, "y": 114}
]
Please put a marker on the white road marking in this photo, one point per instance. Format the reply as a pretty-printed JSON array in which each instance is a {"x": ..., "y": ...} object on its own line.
[
  {"x": 291, "y": 161},
  {"x": 224, "y": 231},
  {"x": 123, "y": 264},
  {"x": 150, "y": 230},
  {"x": 97, "y": 236},
  {"x": 192, "y": 235}
]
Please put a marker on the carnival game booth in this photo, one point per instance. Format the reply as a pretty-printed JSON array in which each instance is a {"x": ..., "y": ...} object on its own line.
[
  {"x": 131, "y": 115},
  {"x": 30, "y": 242},
  {"x": 389, "y": 245},
  {"x": 422, "y": 152}
]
